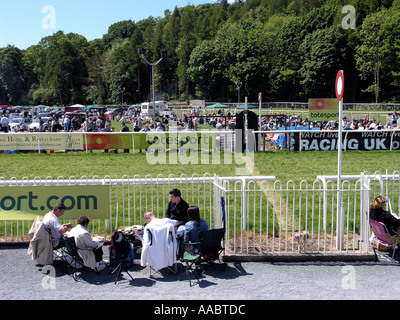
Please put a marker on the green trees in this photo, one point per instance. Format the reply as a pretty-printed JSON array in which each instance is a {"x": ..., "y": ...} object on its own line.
[
  {"x": 323, "y": 54},
  {"x": 288, "y": 50},
  {"x": 377, "y": 53},
  {"x": 307, "y": 53},
  {"x": 12, "y": 74},
  {"x": 58, "y": 69}
]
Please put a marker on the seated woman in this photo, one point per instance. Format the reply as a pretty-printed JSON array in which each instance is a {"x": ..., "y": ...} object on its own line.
[
  {"x": 88, "y": 250},
  {"x": 194, "y": 226},
  {"x": 377, "y": 212}
]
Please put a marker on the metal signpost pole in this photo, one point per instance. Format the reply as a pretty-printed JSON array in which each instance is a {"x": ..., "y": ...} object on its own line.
[
  {"x": 259, "y": 122},
  {"x": 339, "y": 88}
]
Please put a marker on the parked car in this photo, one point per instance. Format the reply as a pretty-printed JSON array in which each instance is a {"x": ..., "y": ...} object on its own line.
[
  {"x": 111, "y": 114},
  {"x": 15, "y": 121},
  {"x": 35, "y": 123},
  {"x": 19, "y": 121}
]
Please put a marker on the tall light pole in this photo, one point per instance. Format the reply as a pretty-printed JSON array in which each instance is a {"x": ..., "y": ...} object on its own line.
[
  {"x": 122, "y": 94},
  {"x": 94, "y": 94},
  {"x": 238, "y": 85},
  {"x": 163, "y": 53}
]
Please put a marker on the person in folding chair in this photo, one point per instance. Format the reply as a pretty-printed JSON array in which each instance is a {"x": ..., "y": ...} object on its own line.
[
  {"x": 90, "y": 251},
  {"x": 190, "y": 251},
  {"x": 194, "y": 226},
  {"x": 377, "y": 212},
  {"x": 51, "y": 221},
  {"x": 159, "y": 246},
  {"x": 177, "y": 210}
]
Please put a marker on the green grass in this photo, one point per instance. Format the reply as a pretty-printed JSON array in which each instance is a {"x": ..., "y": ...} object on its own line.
[
  {"x": 296, "y": 166},
  {"x": 99, "y": 164}
]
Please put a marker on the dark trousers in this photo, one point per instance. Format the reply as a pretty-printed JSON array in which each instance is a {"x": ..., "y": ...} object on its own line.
[
  {"x": 98, "y": 253},
  {"x": 61, "y": 244}
]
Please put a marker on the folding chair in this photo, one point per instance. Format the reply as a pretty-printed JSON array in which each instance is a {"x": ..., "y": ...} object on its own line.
[
  {"x": 159, "y": 249},
  {"x": 190, "y": 257},
  {"x": 71, "y": 257},
  {"x": 210, "y": 245},
  {"x": 152, "y": 269},
  {"x": 382, "y": 233},
  {"x": 120, "y": 251}
]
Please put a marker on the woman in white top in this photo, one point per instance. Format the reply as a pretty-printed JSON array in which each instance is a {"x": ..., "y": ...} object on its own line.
[{"x": 89, "y": 250}]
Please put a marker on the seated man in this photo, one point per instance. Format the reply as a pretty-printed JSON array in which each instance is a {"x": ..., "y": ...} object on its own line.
[
  {"x": 177, "y": 209},
  {"x": 89, "y": 250},
  {"x": 159, "y": 242},
  {"x": 194, "y": 226},
  {"x": 51, "y": 222}
]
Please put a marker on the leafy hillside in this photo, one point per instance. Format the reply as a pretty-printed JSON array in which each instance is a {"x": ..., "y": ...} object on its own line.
[{"x": 288, "y": 50}]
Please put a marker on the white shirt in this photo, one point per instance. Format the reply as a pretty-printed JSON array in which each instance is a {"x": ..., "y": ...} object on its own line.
[
  {"x": 159, "y": 248},
  {"x": 4, "y": 121},
  {"x": 52, "y": 223}
]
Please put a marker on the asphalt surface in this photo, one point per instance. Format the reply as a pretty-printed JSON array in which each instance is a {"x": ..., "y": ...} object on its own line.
[{"x": 22, "y": 279}]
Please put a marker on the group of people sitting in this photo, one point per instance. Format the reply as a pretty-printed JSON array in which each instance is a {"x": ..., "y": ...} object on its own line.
[
  {"x": 189, "y": 224},
  {"x": 183, "y": 221},
  {"x": 184, "y": 218},
  {"x": 89, "y": 250}
]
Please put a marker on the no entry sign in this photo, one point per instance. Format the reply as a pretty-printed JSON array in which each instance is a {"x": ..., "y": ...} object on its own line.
[{"x": 339, "y": 85}]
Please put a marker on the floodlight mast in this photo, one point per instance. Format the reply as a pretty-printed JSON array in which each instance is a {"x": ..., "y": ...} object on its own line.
[{"x": 141, "y": 52}]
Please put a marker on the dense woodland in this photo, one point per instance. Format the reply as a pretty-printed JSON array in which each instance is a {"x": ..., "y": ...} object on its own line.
[{"x": 290, "y": 50}]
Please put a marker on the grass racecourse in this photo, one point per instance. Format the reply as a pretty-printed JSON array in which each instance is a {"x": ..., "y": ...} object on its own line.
[{"x": 296, "y": 166}]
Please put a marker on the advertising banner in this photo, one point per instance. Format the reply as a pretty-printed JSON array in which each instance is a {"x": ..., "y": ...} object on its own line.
[
  {"x": 181, "y": 140},
  {"x": 152, "y": 140},
  {"x": 110, "y": 141},
  {"x": 352, "y": 140},
  {"x": 43, "y": 141},
  {"x": 26, "y": 203},
  {"x": 323, "y": 109}
]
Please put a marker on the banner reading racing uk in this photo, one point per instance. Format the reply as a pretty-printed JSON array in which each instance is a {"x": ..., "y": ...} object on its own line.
[{"x": 352, "y": 140}]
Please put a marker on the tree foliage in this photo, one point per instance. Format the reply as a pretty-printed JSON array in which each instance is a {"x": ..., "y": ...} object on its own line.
[{"x": 288, "y": 50}]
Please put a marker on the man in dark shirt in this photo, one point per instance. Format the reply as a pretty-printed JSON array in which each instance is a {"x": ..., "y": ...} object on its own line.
[
  {"x": 125, "y": 129},
  {"x": 177, "y": 207}
]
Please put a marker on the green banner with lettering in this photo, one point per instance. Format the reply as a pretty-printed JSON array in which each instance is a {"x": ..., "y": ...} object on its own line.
[
  {"x": 28, "y": 202},
  {"x": 323, "y": 109}
]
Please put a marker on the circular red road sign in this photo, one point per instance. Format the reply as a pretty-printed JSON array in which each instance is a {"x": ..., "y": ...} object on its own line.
[{"x": 339, "y": 85}]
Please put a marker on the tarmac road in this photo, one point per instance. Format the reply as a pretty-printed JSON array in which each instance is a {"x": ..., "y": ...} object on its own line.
[
  {"x": 22, "y": 279},
  {"x": 244, "y": 290}
]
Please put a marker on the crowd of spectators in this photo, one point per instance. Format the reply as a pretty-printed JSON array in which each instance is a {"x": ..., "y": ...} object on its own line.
[
  {"x": 220, "y": 120},
  {"x": 272, "y": 123}
]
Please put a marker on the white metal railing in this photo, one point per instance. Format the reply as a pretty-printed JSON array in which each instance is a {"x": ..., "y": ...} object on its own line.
[
  {"x": 288, "y": 218},
  {"x": 262, "y": 214}
]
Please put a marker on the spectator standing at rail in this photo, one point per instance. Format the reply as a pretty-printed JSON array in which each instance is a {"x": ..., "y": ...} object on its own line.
[
  {"x": 67, "y": 123},
  {"x": 394, "y": 119},
  {"x": 4, "y": 123}
]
